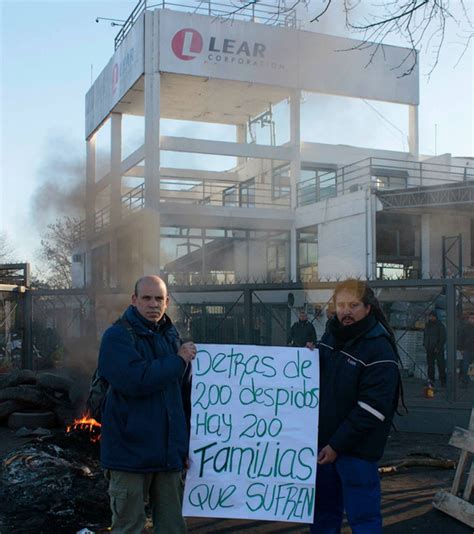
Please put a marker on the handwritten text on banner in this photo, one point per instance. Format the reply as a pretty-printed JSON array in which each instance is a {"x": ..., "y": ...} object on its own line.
[{"x": 253, "y": 433}]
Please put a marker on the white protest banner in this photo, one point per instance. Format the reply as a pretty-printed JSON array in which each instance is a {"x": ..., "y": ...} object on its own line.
[{"x": 254, "y": 424}]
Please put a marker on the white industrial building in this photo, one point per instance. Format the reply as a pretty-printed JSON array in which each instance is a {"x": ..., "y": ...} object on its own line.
[{"x": 250, "y": 199}]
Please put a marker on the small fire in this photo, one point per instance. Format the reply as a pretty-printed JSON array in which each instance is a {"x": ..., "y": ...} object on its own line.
[{"x": 86, "y": 424}]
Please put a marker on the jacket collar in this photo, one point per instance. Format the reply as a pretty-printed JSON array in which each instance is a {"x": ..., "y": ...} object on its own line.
[
  {"x": 144, "y": 326},
  {"x": 377, "y": 331},
  {"x": 367, "y": 328}
]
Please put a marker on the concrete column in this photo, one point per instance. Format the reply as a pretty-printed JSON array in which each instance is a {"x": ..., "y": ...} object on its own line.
[
  {"x": 295, "y": 141},
  {"x": 242, "y": 140},
  {"x": 295, "y": 167},
  {"x": 413, "y": 143},
  {"x": 115, "y": 166},
  {"x": 151, "y": 218},
  {"x": 370, "y": 234},
  {"x": 152, "y": 140},
  {"x": 293, "y": 253},
  {"x": 115, "y": 192}
]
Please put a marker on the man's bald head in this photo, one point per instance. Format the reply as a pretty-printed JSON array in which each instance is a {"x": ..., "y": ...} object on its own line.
[{"x": 148, "y": 278}]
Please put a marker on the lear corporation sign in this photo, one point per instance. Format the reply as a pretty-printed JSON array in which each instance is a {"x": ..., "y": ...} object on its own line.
[
  {"x": 188, "y": 44},
  {"x": 203, "y": 46},
  {"x": 254, "y": 427}
]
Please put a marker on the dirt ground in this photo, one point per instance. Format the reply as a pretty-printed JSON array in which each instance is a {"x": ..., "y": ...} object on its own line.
[{"x": 407, "y": 493}]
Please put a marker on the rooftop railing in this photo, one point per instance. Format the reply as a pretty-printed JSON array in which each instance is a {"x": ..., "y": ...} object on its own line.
[
  {"x": 272, "y": 14},
  {"x": 380, "y": 174}
]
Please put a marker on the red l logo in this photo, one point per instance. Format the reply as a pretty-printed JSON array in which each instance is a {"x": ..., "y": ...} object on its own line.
[{"x": 187, "y": 44}]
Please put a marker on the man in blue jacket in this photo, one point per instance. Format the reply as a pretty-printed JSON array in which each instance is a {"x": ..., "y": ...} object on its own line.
[
  {"x": 144, "y": 435},
  {"x": 360, "y": 384}
]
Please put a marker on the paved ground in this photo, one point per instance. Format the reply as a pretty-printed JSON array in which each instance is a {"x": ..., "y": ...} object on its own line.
[{"x": 407, "y": 494}]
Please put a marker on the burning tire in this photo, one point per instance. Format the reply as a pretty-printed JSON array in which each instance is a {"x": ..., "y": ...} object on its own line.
[{"x": 32, "y": 419}]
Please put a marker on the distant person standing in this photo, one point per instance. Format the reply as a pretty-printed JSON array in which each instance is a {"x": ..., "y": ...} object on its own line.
[
  {"x": 434, "y": 338},
  {"x": 302, "y": 333}
]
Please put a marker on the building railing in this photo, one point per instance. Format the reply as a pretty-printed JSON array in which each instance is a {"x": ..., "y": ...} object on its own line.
[
  {"x": 130, "y": 22},
  {"x": 211, "y": 193},
  {"x": 380, "y": 174},
  {"x": 198, "y": 192},
  {"x": 79, "y": 233},
  {"x": 272, "y": 14},
  {"x": 133, "y": 200},
  {"x": 101, "y": 219},
  {"x": 224, "y": 193}
]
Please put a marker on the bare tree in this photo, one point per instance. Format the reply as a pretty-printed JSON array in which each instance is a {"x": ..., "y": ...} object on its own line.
[
  {"x": 56, "y": 252},
  {"x": 7, "y": 250},
  {"x": 420, "y": 24}
]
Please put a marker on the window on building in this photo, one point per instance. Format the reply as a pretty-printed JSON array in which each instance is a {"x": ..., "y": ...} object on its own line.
[
  {"x": 396, "y": 271},
  {"x": 230, "y": 197},
  {"x": 247, "y": 193},
  {"x": 281, "y": 181},
  {"x": 389, "y": 178},
  {"x": 222, "y": 256},
  {"x": 398, "y": 245},
  {"x": 316, "y": 183},
  {"x": 307, "y": 240}
]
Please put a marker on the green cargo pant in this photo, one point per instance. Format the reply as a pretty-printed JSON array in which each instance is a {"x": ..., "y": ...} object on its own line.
[{"x": 128, "y": 493}]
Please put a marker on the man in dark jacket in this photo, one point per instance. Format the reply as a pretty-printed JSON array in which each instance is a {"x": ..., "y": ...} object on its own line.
[
  {"x": 144, "y": 435},
  {"x": 302, "y": 332},
  {"x": 360, "y": 383},
  {"x": 434, "y": 338}
]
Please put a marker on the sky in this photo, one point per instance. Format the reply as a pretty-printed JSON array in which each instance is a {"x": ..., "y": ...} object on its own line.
[{"x": 50, "y": 52}]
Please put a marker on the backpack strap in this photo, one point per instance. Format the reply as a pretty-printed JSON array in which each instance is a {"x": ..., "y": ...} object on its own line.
[
  {"x": 99, "y": 386},
  {"x": 121, "y": 321}
]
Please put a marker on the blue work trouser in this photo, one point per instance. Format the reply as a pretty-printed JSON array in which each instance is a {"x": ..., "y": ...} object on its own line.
[{"x": 349, "y": 484}]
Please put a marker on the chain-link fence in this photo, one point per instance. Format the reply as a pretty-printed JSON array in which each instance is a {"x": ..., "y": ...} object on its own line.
[
  {"x": 263, "y": 314},
  {"x": 11, "y": 330},
  {"x": 66, "y": 325}
]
